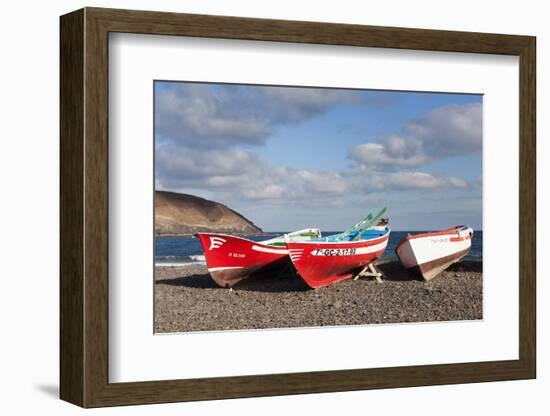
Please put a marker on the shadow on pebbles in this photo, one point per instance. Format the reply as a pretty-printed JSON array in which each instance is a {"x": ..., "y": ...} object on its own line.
[{"x": 187, "y": 299}]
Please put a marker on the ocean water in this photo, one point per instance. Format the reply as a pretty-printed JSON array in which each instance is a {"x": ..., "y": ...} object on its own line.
[{"x": 178, "y": 251}]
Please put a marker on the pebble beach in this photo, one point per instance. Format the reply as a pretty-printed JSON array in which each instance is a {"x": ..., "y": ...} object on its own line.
[{"x": 187, "y": 299}]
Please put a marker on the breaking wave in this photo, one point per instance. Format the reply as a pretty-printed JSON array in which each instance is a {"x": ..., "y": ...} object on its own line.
[{"x": 179, "y": 261}]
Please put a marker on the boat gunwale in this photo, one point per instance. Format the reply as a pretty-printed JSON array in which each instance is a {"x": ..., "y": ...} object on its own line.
[
  {"x": 450, "y": 231},
  {"x": 260, "y": 243},
  {"x": 245, "y": 239},
  {"x": 370, "y": 241}
]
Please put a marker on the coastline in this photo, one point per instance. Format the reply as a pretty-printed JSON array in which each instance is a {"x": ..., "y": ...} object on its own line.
[
  {"x": 219, "y": 232},
  {"x": 187, "y": 299}
]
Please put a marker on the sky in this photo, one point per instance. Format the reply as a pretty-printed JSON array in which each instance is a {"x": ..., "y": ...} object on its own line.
[{"x": 295, "y": 157}]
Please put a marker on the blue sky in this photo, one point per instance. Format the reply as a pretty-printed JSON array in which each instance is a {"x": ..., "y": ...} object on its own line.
[{"x": 294, "y": 157}]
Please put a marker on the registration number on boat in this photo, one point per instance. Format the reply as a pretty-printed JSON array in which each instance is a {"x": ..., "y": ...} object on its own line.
[{"x": 334, "y": 251}]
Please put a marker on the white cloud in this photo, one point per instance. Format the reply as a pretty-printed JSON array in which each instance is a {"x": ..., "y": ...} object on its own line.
[
  {"x": 292, "y": 185},
  {"x": 394, "y": 151},
  {"x": 446, "y": 131},
  {"x": 390, "y": 181},
  {"x": 242, "y": 174},
  {"x": 183, "y": 164},
  {"x": 414, "y": 180},
  {"x": 290, "y": 104},
  {"x": 195, "y": 114},
  {"x": 319, "y": 182},
  {"x": 458, "y": 183},
  {"x": 449, "y": 131},
  {"x": 201, "y": 131},
  {"x": 225, "y": 115},
  {"x": 271, "y": 191}
]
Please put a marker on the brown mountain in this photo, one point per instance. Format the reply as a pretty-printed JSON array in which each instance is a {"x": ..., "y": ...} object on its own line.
[{"x": 177, "y": 214}]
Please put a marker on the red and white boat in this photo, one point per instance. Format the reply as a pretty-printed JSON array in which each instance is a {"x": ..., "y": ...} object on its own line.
[
  {"x": 230, "y": 259},
  {"x": 428, "y": 254},
  {"x": 328, "y": 260}
]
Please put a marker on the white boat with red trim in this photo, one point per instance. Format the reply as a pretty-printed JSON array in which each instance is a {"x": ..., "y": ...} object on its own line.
[
  {"x": 231, "y": 259},
  {"x": 428, "y": 254}
]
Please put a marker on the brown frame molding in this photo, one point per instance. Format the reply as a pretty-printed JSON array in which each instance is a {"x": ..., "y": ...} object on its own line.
[{"x": 84, "y": 207}]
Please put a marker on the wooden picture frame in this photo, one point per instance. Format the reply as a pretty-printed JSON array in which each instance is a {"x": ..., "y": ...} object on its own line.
[{"x": 84, "y": 207}]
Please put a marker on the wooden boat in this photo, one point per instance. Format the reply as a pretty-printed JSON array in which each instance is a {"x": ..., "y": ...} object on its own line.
[
  {"x": 428, "y": 254},
  {"x": 327, "y": 260},
  {"x": 230, "y": 259}
]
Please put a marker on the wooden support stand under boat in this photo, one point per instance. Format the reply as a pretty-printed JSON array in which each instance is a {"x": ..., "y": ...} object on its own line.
[{"x": 370, "y": 271}]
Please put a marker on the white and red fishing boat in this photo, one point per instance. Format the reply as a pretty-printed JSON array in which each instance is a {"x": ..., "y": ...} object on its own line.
[
  {"x": 428, "y": 254},
  {"x": 327, "y": 260},
  {"x": 230, "y": 259}
]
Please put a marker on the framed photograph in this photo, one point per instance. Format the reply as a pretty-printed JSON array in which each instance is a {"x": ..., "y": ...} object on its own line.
[{"x": 255, "y": 207}]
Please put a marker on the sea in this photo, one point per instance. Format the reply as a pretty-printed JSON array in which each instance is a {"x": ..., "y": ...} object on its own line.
[{"x": 187, "y": 250}]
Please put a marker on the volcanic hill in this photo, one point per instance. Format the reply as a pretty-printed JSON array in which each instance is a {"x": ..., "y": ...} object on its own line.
[{"x": 180, "y": 214}]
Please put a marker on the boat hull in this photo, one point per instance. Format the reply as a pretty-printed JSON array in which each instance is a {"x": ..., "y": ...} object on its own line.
[
  {"x": 322, "y": 264},
  {"x": 427, "y": 255},
  {"x": 230, "y": 259}
]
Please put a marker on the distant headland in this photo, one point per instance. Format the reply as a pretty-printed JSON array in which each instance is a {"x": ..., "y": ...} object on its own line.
[{"x": 183, "y": 214}]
